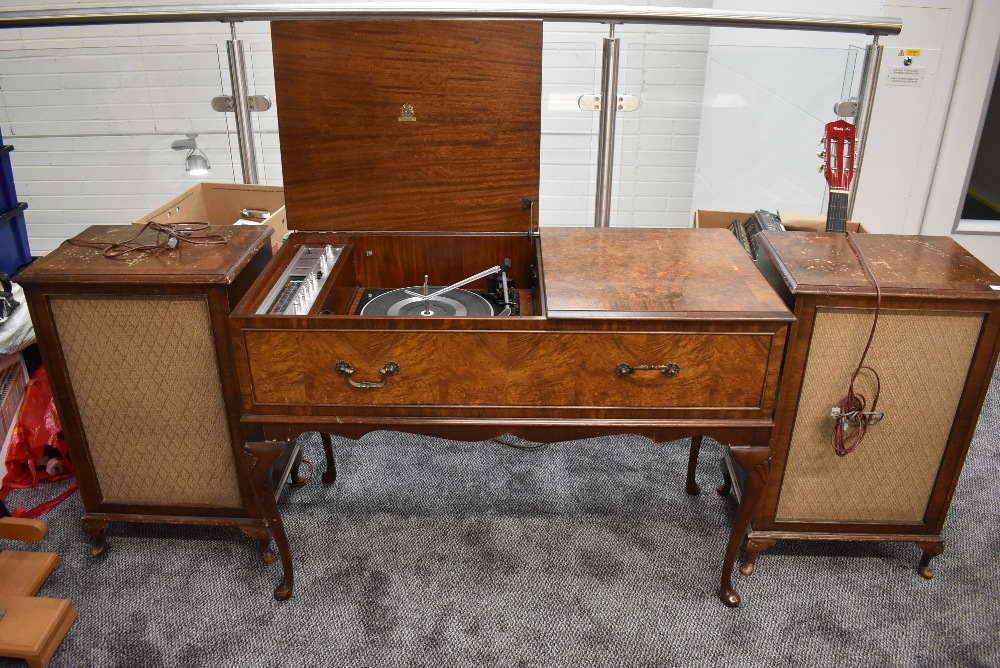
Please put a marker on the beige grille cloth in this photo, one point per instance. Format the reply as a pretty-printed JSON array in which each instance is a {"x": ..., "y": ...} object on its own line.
[
  {"x": 146, "y": 381},
  {"x": 923, "y": 358}
]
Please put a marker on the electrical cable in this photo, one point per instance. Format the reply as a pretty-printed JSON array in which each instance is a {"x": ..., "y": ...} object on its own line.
[
  {"x": 852, "y": 417},
  {"x": 168, "y": 236}
]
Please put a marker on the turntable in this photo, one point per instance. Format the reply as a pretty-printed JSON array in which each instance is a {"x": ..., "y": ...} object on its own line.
[{"x": 411, "y": 150}]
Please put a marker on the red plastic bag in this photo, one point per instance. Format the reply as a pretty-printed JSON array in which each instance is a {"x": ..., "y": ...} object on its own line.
[{"x": 37, "y": 448}]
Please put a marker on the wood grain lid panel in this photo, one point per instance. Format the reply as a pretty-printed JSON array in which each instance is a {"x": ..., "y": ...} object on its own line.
[
  {"x": 409, "y": 125},
  {"x": 697, "y": 273}
]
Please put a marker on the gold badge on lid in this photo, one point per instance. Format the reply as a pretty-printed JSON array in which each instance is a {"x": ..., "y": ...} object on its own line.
[{"x": 407, "y": 113}]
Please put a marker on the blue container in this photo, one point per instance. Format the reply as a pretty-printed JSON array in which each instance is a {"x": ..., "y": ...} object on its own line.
[
  {"x": 14, "y": 250},
  {"x": 8, "y": 196}
]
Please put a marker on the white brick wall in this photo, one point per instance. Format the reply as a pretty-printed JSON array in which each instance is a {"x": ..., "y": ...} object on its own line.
[{"x": 92, "y": 111}]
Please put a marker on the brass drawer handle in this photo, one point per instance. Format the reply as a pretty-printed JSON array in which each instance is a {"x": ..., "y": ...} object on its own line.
[
  {"x": 625, "y": 369},
  {"x": 344, "y": 368}
]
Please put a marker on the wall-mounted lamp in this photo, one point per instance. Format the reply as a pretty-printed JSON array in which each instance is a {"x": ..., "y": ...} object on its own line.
[{"x": 196, "y": 163}]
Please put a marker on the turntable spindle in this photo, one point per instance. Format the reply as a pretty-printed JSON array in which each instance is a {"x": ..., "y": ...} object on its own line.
[{"x": 427, "y": 299}]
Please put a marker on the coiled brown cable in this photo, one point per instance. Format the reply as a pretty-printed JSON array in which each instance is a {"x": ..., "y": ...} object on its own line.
[
  {"x": 854, "y": 416},
  {"x": 165, "y": 233}
]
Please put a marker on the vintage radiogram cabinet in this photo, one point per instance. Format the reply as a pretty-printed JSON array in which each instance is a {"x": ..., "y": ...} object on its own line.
[
  {"x": 411, "y": 162},
  {"x": 137, "y": 350},
  {"x": 934, "y": 349}
]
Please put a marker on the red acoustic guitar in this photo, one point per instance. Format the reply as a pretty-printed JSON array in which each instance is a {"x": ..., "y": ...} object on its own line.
[{"x": 839, "y": 168}]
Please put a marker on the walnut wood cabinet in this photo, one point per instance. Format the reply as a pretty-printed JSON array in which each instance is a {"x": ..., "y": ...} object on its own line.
[
  {"x": 413, "y": 148},
  {"x": 935, "y": 349},
  {"x": 138, "y": 355}
]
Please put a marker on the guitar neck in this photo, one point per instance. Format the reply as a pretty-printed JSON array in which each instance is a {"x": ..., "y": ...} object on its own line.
[{"x": 836, "y": 213}]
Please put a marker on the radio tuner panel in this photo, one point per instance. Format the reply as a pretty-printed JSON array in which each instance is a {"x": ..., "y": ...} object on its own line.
[{"x": 295, "y": 291}]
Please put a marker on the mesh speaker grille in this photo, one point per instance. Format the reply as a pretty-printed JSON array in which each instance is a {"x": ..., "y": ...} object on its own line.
[
  {"x": 923, "y": 358},
  {"x": 146, "y": 382}
]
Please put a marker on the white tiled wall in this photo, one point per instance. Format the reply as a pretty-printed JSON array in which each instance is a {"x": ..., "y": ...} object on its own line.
[{"x": 92, "y": 111}]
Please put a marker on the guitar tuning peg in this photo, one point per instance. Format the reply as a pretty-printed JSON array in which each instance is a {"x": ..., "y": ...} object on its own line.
[
  {"x": 821, "y": 154},
  {"x": 822, "y": 168}
]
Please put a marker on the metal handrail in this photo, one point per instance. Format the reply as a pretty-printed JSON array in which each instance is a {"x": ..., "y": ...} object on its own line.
[{"x": 619, "y": 14}]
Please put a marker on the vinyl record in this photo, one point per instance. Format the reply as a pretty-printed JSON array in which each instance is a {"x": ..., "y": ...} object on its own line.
[{"x": 403, "y": 302}]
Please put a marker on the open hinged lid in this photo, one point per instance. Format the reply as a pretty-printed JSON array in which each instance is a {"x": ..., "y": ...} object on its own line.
[{"x": 409, "y": 125}]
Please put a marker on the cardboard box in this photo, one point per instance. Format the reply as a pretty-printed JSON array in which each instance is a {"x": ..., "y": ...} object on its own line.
[
  {"x": 799, "y": 222},
  {"x": 223, "y": 204}
]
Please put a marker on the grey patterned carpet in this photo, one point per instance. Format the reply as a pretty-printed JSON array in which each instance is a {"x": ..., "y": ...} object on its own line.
[{"x": 586, "y": 553}]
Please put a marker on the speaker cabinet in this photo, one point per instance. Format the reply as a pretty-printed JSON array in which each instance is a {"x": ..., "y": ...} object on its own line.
[
  {"x": 138, "y": 356},
  {"x": 935, "y": 348}
]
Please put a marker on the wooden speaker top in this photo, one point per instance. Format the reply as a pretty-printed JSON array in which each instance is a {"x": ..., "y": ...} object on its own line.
[
  {"x": 408, "y": 125},
  {"x": 188, "y": 263},
  {"x": 822, "y": 263}
]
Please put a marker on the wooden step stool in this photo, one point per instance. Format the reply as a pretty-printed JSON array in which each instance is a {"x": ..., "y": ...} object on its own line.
[{"x": 31, "y": 628}]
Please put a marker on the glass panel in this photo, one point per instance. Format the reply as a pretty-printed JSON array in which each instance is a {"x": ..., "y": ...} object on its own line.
[
  {"x": 92, "y": 129},
  {"x": 657, "y": 145},
  {"x": 764, "y": 116},
  {"x": 571, "y": 67},
  {"x": 259, "y": 61},
  {"x": 731, "y": 128}
]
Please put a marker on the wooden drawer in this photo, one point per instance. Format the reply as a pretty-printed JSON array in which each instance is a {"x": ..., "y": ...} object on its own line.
[{"x": 508, "y": 368}]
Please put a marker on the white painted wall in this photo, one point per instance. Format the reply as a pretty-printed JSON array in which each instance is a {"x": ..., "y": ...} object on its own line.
[{"x": 92, "y": 111}]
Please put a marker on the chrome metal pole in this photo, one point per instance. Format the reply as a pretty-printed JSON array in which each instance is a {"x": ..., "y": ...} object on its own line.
[
  {"x": 281, "y": 11},
  {"x": 606, "y": 134},
  {"x": 241, "y": 108},
  {"x": 866, "y": 99}
]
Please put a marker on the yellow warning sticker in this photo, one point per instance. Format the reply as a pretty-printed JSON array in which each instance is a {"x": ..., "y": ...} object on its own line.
[{"x": 908, "y": 52}]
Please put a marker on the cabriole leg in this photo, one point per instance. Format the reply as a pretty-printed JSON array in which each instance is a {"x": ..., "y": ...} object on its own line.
[
  {"x": 331, "y": 463},
  {"x": 755, "y": 461},
  {"x": 930, "y": 550},
  {"x": 95, "y": 529},
  {"x": 259, "y": 458},
  {"x": 691, "y": 485},
  {"x": 726, "y": 484},
  {"x": 754, "y": 547},
  {"x": 263, "y": 536}
]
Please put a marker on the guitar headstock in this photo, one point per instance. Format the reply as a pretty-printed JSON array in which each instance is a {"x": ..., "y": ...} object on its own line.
[{"x": 839, "y": 154}]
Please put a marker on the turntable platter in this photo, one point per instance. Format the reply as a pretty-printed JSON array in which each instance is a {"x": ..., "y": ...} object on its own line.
[{"x": 402, "y": 302}]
